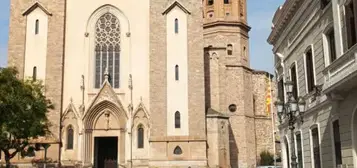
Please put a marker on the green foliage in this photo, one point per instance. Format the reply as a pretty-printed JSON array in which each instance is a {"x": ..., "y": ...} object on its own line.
[
  {"x": 23, "y": 111},
  {"x": 266, "y": 158}
]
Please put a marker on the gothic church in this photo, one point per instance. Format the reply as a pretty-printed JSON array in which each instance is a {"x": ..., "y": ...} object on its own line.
[{"x": 159, "y": 83}]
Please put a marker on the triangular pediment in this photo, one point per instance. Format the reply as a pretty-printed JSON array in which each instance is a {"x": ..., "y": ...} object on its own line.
[
  {"x": 106, "y": 93},
  {"x": 71, "y": 108},
  {"x": 176, "y": 4},
  {"x": 141, "y": 107},
  {"x": 34, "y": 6}
]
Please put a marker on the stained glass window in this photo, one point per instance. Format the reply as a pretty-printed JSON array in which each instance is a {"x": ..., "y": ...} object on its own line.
[{"x": 107, "y": 49}]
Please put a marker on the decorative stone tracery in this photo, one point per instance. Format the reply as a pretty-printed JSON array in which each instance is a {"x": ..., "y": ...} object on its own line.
[
  {"x": 107, "y": 49},
  {"x": 105, "y": 117}
]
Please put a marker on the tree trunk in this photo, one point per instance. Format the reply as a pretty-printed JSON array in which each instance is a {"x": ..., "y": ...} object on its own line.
[{"x": 7, "y": 159}]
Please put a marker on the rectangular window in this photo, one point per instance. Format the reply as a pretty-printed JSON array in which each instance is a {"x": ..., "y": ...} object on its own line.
[
  {"x": 299, "y": 150},
  {"x": 281, "y": 90},
  {"x": 350, "y": 24},
  {"x": 287, "y": 153},
  {"x": 337, "y": 142},
  {"x": 316, "y": 147},
  {"x": 332, "y": 46},
  {"x": 294, "y": 80},
  {"x": 310, "y": 77}
]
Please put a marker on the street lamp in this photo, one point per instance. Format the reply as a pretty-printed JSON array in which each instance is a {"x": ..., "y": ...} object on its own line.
[{"x": 293, "y": 111}]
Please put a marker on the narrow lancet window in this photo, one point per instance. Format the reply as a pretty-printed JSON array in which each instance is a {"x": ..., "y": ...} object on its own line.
[
  {"x": 176, "y": 26},
  {"x": 70, "y": 138},
  {"x": 177, "y": 120},
  {"x": 37, "y": 25},
  {"x": 34, "y": 73},
  {"x": 140, "y": 136},
  {"x": 177, "y": 77}
]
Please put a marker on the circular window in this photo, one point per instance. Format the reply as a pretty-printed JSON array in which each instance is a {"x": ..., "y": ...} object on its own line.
[{"x": 232, "y": 108}]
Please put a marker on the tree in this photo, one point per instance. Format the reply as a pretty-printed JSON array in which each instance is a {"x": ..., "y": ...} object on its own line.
[
  {"x": 266, "y": 158},
  {"x": 23, "y": 111}
]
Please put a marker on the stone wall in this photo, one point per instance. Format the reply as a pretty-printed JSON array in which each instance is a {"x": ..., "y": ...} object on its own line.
[
  {"x": 194, "y": 145},
  {"x": 264, "y": 126},
  {"x": 55, "y": 50}
]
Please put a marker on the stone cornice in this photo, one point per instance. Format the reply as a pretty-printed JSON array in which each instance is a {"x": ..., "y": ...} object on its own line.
[
  {"x": 177, "y": 139},
  {"x": 282, "y": 18},
  {"x": 227, "y": 23}
]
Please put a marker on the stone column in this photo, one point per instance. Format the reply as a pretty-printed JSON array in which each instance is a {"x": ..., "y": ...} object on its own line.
[
  {"x": 337, "y": 27},
  {"x": 79, "y": 146}
]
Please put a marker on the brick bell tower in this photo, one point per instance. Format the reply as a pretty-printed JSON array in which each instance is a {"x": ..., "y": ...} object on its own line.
[{"x": 228, "y": 77}]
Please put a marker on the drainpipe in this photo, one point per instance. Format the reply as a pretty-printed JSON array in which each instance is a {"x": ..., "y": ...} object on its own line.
[
  {"x": 62, "y": 83},
  {"x": 132, "y": 118}
]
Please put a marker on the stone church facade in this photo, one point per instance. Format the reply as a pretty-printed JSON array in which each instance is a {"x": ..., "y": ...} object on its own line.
[{"x": 150, "y": 84}]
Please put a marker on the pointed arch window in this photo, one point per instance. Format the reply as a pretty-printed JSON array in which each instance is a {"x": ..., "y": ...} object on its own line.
[
  {"x": 177, "y": 77},
  {"x": 177, "y": 120},
  {"x": 34, "y": 73},
  {"x": 176, "y": 26},
  {"x": 37, "y": 26},
  {"x": 229, "y": 49},
  {"x": 70, "y": 137},
  {"x": 177, "y": 150},
  {"x": 107, "y": 50},
  {"x": 140, "y": 136}
]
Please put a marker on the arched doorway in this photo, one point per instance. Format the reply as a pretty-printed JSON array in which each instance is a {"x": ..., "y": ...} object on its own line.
[{"x": 104, "y": 138}]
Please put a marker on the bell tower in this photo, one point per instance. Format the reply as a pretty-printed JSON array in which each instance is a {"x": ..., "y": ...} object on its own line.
[
  {"x": 226, "y": 21},
  {"x": 228, "y": 77},
  {"x": 228, "y": 10}
]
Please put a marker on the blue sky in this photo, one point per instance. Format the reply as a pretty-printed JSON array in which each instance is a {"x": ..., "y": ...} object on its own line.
[
  {"x": 260, "y": 13},
  {"x": 4, "y": 27}
]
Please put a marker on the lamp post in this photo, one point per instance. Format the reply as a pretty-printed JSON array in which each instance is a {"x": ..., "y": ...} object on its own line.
[{"x": 293, "y": 111}]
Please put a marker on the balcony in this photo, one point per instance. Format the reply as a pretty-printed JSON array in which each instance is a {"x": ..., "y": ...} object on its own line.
[{"x": 341, "y": 75}]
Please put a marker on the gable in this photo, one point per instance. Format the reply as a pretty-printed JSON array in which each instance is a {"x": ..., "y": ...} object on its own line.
[
  {"x": 35, "y": 6},
  {"x": 106, "y": 93},
  {"x": 176, "y": 4}
]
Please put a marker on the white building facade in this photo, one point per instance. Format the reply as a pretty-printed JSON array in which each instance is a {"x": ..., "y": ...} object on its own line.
[{"x": 314, "y": 43}]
